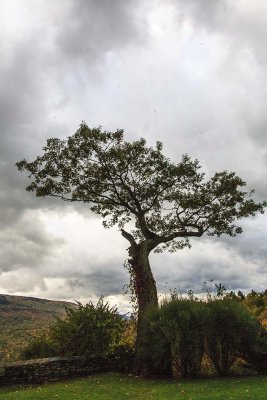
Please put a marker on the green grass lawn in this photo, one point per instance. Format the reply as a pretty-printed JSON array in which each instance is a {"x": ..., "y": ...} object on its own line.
[{"x": 120, "y": 387}]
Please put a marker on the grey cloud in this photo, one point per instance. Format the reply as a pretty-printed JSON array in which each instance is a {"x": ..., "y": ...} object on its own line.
[
  {"x": 240, "y": 29},
  {"x": 193, "y": 277},
  {"x": 208, "y": 13},
  {"x": 100, "y": 283},
  {"x": 23, "y": 280},
  {"x": 61, "y": 72},
  {"x": 24, "y": 243},
  {"x": 234, "y": 262},
  {"x": 250, "y": 246},
  {"x": 93, "y": 28},
  {"x": 15, "y": 201},
  {"x": 240, "y": 21},
  {"x": 33, "y": 80}
]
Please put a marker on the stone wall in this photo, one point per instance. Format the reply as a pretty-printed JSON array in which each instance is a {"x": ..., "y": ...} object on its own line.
[{"x": 51, "y": 369}]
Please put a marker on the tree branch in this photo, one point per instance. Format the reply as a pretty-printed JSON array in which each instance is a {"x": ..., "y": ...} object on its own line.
[
  {"x": 129, "y": 237},
  {"x": 145, "y": 230},
  {"x": 183, "y": 234}
]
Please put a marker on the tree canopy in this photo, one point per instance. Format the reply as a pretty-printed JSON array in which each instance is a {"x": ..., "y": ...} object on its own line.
[{"x": 124, "y": 181}]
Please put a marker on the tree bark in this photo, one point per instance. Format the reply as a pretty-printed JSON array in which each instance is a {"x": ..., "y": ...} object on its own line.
[{"x": 146, "y": 293}]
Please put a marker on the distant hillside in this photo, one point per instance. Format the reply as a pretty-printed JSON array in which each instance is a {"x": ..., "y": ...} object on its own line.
[{"x": 22, "y": 318}]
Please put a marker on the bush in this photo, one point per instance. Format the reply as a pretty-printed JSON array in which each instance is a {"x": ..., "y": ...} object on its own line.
[
  {"x": 231, "y": 332},
  {"x": 90, "y": 330},
  {"x": 122, "y": 358},
  {"x": 258, "y": 356},
  {"x": 186, "y": 334},
  {"x": 39, "y": 347},
  {"x": 180, "y": 335},
  {"x": 183, "y": 329},
  {"x": 158, "y": 350},
  {"x": 128, "y": 335}
]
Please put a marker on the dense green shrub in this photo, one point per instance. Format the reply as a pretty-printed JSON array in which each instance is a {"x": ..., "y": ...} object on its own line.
[
  {"x": 257, "y": 356},
  {"x": 91, "y": 330},
  {"x": 183, "y": 329},
  {"x": 158, "y": 349},
  {"x": 122, "y": 358},
  {"x": 231, "y": 332},
  {"x": 178, "y": 329},
  {"x": 184, "y": 322}
]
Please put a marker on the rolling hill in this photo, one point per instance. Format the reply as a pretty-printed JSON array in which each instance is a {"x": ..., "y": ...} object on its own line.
[{"x": 22, "y": 318}]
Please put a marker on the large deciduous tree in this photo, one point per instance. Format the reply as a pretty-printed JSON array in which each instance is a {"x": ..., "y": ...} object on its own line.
[{"x": 129, "y": 182}]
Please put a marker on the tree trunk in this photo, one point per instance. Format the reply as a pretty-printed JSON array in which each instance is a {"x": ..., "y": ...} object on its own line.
[{"x": 146, "y": 293}]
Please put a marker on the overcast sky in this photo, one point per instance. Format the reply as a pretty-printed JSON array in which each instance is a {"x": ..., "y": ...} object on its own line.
[{"x": 190, "y": 73}]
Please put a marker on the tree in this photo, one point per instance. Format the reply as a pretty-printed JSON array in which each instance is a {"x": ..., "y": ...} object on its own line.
[{"x": 129, "y": 182}]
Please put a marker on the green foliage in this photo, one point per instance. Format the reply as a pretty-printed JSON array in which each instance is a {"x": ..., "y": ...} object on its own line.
[
  {"x": 258, "y": 358},
  {"x": 123, "y": 181},
  {"x": 231, "y": 332},
  {"x": 89, "y": 330},
  {"x": 256, "y": 302},
  {"x": 128, "y": 336},
  {"x": 158, "y": 350},
  {"x": 184, "y": 327},
  {"x": 123, "y": 357},
  {"x": 178, "y": 333},
  {"x": 123, "y": 353},
  {"x": 40, "y": 347}
]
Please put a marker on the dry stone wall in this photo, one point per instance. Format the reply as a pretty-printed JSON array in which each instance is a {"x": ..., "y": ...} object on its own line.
[{"x": 50, "y": 369}]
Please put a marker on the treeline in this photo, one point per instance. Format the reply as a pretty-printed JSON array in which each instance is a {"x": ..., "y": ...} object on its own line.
[
  {"x": 188, "y": 335},
  {"x": 256, "y": 302}
]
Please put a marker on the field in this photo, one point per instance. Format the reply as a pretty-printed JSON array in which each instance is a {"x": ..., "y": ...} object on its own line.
[{"x": 120, "y": 387}]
